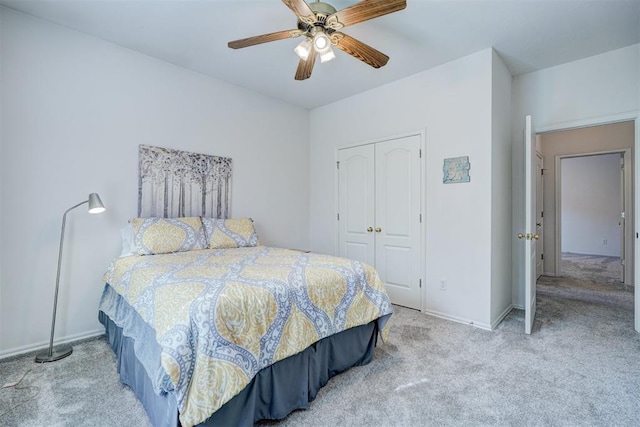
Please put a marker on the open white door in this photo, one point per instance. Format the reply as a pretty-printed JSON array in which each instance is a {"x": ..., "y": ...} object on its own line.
[{"x": 529, "y": 237}]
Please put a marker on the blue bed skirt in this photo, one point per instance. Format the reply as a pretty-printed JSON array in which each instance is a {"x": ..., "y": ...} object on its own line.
[{"x": 276, "y": 391}]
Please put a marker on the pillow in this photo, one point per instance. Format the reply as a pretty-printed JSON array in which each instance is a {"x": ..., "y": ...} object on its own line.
[
  {"x": 167, "y": 235},
  {"x": 230, "y": 233},
  {"x": 128, "y": 246}
]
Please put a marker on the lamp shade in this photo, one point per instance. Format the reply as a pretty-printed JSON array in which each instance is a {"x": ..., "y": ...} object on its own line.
[
  {"x": 303, "y": 49},
  {"x": 327, "y": 55},
  {"x": 95, "y": 204},
  {"x": 321, "y": 42}
]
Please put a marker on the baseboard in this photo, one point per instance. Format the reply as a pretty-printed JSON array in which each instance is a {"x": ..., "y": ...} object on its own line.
[
  {"x": 18, "y": 351},
  {"x": 517, "y": 307},
  {"x": 458, "y": 319},
  {"x": 501, "y": 317}
]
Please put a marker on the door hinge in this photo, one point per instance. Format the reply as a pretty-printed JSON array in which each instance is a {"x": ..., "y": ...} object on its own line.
[
  {"x": 337, "y": 165},
  {"x": 541, "y": 171},
  {"x": 541, "y": 214},
  {"x": 420, "y": 283},
  {"x": 420, "y": 217},
  {"x": 420, "y": 152},
  {"x": 338, "y": 217},
  {"x": 542, "y": 256}
]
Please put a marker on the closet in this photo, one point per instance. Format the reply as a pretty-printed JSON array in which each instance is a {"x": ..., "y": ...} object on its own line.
[{"x": 379, "y": 212}]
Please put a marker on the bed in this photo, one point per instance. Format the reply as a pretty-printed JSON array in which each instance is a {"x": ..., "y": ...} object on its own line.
[{"x": 219, "y": 330}]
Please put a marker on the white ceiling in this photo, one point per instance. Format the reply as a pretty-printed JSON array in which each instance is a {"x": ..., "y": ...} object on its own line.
[{"x": 528, "y": 34}]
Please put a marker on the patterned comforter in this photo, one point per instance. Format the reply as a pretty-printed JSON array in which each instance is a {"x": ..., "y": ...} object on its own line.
[{"x": 220, "y": 316}]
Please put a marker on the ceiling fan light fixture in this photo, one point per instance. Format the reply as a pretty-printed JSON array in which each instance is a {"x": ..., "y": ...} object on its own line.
[
  {"x": 304, "y": 48},
  {"x": 321, "y": 42},
  {"x": 319, "y": 24},
  {"x": 327, "y": 56}
]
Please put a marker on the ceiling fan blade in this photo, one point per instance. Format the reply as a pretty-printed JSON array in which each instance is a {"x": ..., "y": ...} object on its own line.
[
  {"x": 363, "y": 11},
  {"x": 264, "y": 38},
  {"x": 357, "y": 49},
  {"x": 302, "y": 10},
  {"x": 305, "y": 67}
]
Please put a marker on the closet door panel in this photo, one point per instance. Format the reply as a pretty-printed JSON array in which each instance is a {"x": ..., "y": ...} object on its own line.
[
  {"x": 397, "y": 206},
  {"x": 356, "y": 203}
]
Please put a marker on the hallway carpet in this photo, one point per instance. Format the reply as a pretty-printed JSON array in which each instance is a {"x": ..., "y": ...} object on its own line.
[
  {"x": 605, "y": 270},
  {"x": 589, "y": 278}
]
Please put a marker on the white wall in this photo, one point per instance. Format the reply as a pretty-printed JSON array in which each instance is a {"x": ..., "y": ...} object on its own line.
[
  {"x": 1, "y": 144},
  {"x": 453, "y": 103},
  {"x": 590, "y": 201},
  {"x": 500, "y": 190},
  {"x": 74, "y": 110},
  {"x": 598, "y": 86}
]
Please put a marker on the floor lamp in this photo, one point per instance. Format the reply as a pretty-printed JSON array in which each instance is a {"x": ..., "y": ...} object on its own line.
[{"x": 62, "y": 351}]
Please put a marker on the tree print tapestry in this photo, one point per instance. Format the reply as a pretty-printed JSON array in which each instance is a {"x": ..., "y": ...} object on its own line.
[{"x": 173, "y": 183}]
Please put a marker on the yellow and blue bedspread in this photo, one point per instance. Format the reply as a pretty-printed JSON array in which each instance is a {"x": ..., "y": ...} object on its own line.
[{"x": 220, "y": 316}]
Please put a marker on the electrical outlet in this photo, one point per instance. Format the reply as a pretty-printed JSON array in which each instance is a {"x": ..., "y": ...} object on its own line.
[
  {"x": 604, "y": 241},
  {"x": 443, "y": 284}
]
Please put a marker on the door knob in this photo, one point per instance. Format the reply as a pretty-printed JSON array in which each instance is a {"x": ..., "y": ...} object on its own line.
[
  {"x": 378, "y": 229},
  {"x": 528, "y": 236},
  {"x": 369, "y": 230}
]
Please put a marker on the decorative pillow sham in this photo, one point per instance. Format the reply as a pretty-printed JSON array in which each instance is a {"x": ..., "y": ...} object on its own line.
[
  {"x": 167, "y": 235},
  {"x": 230, "y": 233}
]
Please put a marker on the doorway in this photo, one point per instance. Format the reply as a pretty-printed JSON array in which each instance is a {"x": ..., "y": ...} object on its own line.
[
  {"x": 592, "y": 233},
  {"x": 589, "y": 243}
]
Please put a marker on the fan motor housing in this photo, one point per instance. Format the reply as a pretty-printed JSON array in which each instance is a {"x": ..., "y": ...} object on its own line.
[
  {"x": 321, "y": 8},
  {"x": 321, "y": 11}
]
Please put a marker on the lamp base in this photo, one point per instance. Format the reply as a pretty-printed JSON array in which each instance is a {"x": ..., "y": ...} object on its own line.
[{"x": 59, "y": 352}]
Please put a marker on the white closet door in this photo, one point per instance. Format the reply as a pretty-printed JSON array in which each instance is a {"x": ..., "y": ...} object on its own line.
[
  {"x": 397, "y": 227},
  {"x": 356, "y": 203}
]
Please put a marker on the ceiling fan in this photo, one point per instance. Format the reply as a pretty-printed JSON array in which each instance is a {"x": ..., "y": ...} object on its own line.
[{"x": 319, "y": 23}]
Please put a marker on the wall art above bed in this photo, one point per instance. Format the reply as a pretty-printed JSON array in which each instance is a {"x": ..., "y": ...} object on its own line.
[{"x": 174, "y": 183}]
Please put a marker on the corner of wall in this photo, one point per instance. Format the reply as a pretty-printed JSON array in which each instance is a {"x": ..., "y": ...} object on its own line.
[
  {"x": 1, "y": 149},
  {"x": 501, "y": 195}
]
